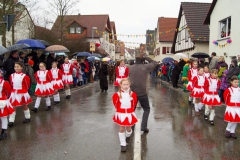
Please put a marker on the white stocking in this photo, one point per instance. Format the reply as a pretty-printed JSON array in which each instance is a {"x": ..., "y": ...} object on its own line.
[
  {"x": 128, "y": 134},
  {"x": 48, "y": 102},
  {"x": 196, "y": 107},
  {"x": 67, "y": 91},
  {"x": 233, "y": 128},
  {"x": 189, "y": 98},
  {"x": 4, "y": 122},
  {"x": 122, "y": 138},
  {"x": 207, "y": 110},
  {"x": 27, "y": 114},
  {"x": 212, "y": 114},
  {"x": 200, "y": 106},
  {"x": 37, "y": 103},
  {"x": 12, "y": 117},
  {"x": 56, "y": 97}
]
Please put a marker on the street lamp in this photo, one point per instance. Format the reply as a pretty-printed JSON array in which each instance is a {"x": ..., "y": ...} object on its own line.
[{"x": 93, "y": 28}]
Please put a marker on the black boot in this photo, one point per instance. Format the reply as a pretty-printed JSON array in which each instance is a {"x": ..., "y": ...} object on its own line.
[
  {"x": 26, "y": 121},
  {"x": 57, "y": 102},
  {"x": 3, "y": 134},
  {"x": 34, "y": 110},
  {"x": 68, "y": 97},
  {"x": 48, "y": 108},
  {"x": 10, "y": 124}
]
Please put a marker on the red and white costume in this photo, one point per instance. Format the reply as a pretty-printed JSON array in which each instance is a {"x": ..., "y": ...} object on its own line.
[
  {"x": 67, "y": 77},
  {"x": 198, "y": 86},
  {"x": 232, "y": 101},
  {"x": 44, "y": 86},
  {"x": 211, "y": 96},
  {"x": 125, "y": 106},
  {"x": 56, "y": 75},
  {"x": 207, "y": 74},
  {"x": 121, "y": 73},
  {"x": 191, "y": 74},
  {"x": 5, "y": 106},
  {"x": 21, "y": 84}
]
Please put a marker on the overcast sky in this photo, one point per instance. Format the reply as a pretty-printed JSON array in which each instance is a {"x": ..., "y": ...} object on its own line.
[{"x": 132, "y": 16}]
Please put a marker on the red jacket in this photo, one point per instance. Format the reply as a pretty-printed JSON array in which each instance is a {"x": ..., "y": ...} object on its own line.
[
  {"x": 209, "y": 84},
  {"x": 20, "y": 82},
  {"x": 231, "y": 96},
  {"x": 48, "y": 77},
  {"x": 192, "y": 73},
  {"x": 5, "y": 89},
  {"x": 59, "y": 74},
  {"x": 164, "y": 69},
  {"x": 70, "y": 68},
  {"x": 126, "y": 73},
  {"x": 117, "y": 103}
]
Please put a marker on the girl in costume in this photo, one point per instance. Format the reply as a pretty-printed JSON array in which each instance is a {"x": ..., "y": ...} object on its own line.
[
  {"x": 5, "y": 107},
  {"x": 124, "y": 101},
  {"x": 206, "y": 72},
  {"x": 19, "y": 96},
  {"x": 185, "y": 76},
  {"x": 67, "y": 77},
  {"x": 121, "y": 72},
  {"x": 211, "y": 97},
  {"x": 191, "y": 74},
  {"x": 198, "y": 90},
  {"x": 57, "y": 83},
  {"x": 232, "y": 112},
  {"x": 44, "y": 87}
]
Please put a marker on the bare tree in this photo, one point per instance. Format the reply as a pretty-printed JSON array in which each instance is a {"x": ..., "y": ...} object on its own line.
[{"x": 60, "y": 8}]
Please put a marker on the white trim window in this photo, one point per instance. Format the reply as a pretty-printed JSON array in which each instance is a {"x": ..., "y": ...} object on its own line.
[
  {"x": 72, "y": 30},
  {"x": 78, "y": 30},
  {"x": 225, "y": 28}
]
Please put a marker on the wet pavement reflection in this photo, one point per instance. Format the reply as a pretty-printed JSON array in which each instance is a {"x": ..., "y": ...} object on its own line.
[{"x": 82, "y": 128}]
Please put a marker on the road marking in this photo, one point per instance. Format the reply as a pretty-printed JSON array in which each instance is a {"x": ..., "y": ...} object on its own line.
[{"x": 137, "y": 141}]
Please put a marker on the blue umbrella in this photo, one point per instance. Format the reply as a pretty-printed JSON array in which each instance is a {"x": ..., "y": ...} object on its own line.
[
  {"x": 92, "y": 58},
  {"x": 17, "y": 47},
  {"x": 34, "y": 44},
  {"x": 167, "y": 60},
  {"x": 83, "y": 54}
]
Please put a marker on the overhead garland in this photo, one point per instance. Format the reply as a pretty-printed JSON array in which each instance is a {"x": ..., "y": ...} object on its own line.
[{"x": 222, "y": 45}]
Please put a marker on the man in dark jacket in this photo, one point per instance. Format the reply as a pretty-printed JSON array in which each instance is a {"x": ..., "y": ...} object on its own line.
[
  {"x": 9, "y": 64},
  {"x": 50, "y": 60},
  {"x": 138, "y": 75},
  {"x": 234, "y": 70},
  {"x": 35, "y": 60}
]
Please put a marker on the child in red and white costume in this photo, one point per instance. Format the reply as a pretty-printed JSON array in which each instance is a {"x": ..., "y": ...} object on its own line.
[
  {"x": 124, "y": 101},
  {"x": 211, "y": 97},
  {"x": 191, "y": 74},
  {"x": 19, "y": 96},
  {"x": 232, "y": 113},
  {"x": 121, "y": 72},
  {"x": 206, "y": 72},
  {"x": 67, "y": 78},
  {"x": 57, "y": 83},
  {"x": 198, "y": 90},
  {"x": 44, "y": 87},
  {"x": 6, "y": 108}
]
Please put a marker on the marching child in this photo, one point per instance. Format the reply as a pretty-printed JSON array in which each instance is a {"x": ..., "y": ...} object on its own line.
[
  {"x": 191, "y": 74},
  {"x": 67, "y": 78},
  {"x": 5, "y": 107},
  {"x": 198, "y": 90},
  {"x": 232, "y": 112},
  {"x": 124, "y": 101},
  {"x": 206, "y": 72},
  {"x": 44, "y": 87},
  {"x": 57, "y": 83},
  {"x": 121, "y": 72},
  {"x": 19, "y": 96},
  {"x": 211, "y": 97}
]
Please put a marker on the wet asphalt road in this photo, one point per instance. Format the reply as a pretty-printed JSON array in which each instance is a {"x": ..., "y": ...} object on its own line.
[{"x": 82, "y": 128}]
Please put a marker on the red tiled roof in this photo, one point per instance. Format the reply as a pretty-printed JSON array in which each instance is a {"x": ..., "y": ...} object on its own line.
[
  {"x": 88, "y": 21},
  {"x": 166, "y": 24},
  {"x": 207, "y": 19},
  {"x": 113, "y": 27}
]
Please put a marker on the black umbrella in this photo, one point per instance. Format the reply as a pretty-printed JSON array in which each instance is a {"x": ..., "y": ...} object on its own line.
[
  {"x": 200, "y": 55},
  {"x": 17, "y": 47},
  {"x": 45, "y": 43}
]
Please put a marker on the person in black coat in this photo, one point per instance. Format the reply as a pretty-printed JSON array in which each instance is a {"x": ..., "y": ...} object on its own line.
[
  {"x": 50, "y": 60},
  {"x": 9, "y": 64},
  {"x": 103, "y": 73},
  {"x": 176, "y": 72},
  {"x": 35, "y": 60},
  {"x": 234, "y": 70}
]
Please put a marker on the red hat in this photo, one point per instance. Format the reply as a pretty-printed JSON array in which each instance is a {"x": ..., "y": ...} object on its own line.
[{"x": 30, "y": 62}]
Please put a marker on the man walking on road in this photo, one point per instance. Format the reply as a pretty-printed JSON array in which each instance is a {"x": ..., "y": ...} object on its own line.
[{"x": 138, "y": 74}]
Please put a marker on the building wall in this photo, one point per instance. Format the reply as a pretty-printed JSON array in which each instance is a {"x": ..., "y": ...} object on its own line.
[
  {"x": 162, "y": 56},
  {"x": 183, "y": 40},
  {"x": 23, "y": 29},
  {"x": 222, "y": 10}
]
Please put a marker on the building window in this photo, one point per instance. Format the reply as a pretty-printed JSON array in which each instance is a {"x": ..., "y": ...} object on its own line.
[
  {"x": 72, "y": 30},
  {"x": 75, "y": 30},
  {"x": 78, "y": 30},
  {"x": 164, "y": 50},
  {"x": 168, "y": 50},
  {"x": 179, "y": 37},
  {"x": 186, "y": 35},
  {"x": 225, "y": 27}
]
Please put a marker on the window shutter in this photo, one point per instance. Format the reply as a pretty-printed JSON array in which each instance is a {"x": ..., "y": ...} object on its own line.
[{"x": 164, "y": 50}]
